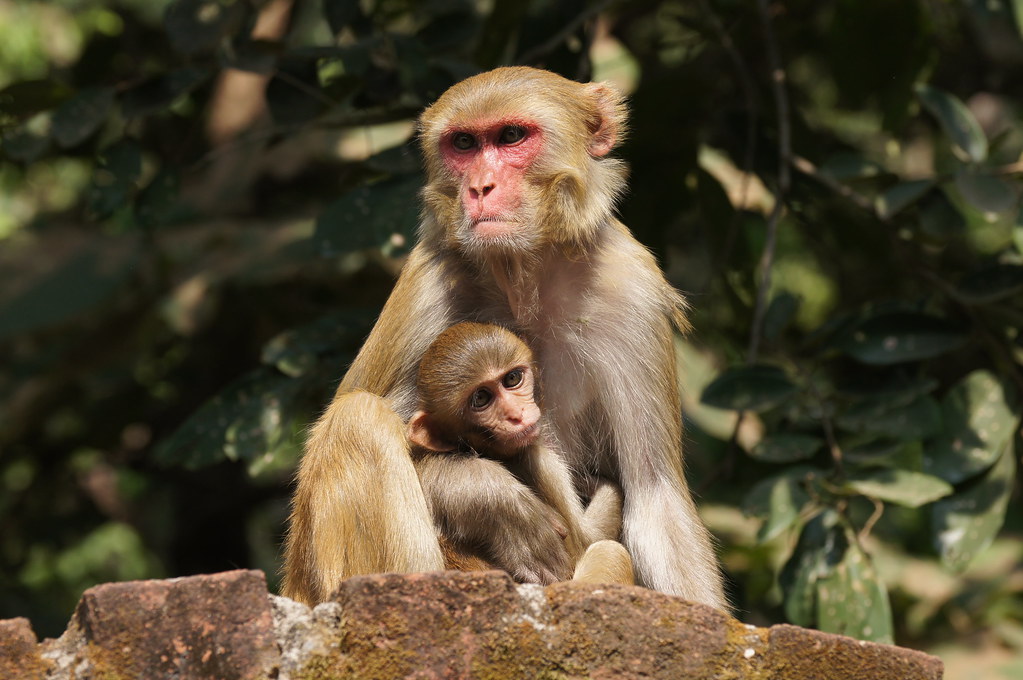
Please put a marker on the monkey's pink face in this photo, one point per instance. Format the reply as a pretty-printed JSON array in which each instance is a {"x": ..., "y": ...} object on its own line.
[
  {"x": 490, "y": 159},
  {"x": 504, "y": 407}
]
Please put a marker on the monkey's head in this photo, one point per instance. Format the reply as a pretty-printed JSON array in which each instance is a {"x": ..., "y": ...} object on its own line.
[
  {"x": 476, "y": 384},
  {"x": 517, "y": 158}
]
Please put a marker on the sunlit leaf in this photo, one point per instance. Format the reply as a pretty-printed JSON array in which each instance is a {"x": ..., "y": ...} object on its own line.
[
  {"x": 779, "y": 501},
  {"x": 749, "y": 388},
  {"x": 959, "y": 124},
  {"x": 902, "y": 195},
  {"x": 902, "y": 487},
  {"x": 965, "y": 523},
  {"x": 853, "y": 600},
  {"x": 297, "y": 350},
  {"x": 989, "y": 194},
  {"x": 76, "y": 119},
  {"x": 897, "y": 337},
  {"x": 821, "y": 545},
  {"x": 786, "y": 447},
  {"x": 977, "y": 421},
  {"x": 373, "y": 216}
]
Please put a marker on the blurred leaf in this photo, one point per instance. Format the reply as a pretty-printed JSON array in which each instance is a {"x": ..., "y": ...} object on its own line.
[
  {"x": 28, "y": 97},
  {"x": 779, "y": 501},
  {"x": 253, "y": 419},
  {"x": 785, "y": 447},
  {"x": 882, "y": 452},
  {"x": 959, "y": 124},
  {"x": 886, "y": 416},
  {"x": 79, "y": 284},
  {"x": 157, "y": 94},
  {"x": 843, "y": 167},
  {"x": 398, "y": 160},
  {"x": 939, "y": 219},
  {"x": 965, "y": 523},
  {"x": 989, "y": 194},
  {"x": 159, "y": 203},
  {"x": 195, "y": 26},
  {"x": 748, "y": 388},
  {"x": 293, "y": 94},
  {"x": 340, "y": 13},
  {"x": 993, "y": 283},
  {"x": 76, "y": 119},
  {"x": 779, "y": 314},
  {"x": 902, "y": 487},
  {"x": 296, "y": 351},
  {"x": 371, "y": 216},
  {"x": 977, "y": 422},
  {"x": 902, "y": 195},
  {"x": 24, "y": 145},
  {"x": 821, "y": 545},
  {"x": 255, "y": 56},
  {"x": 897, "y": 337},
  {"x": 115, "y": 178},
  {"x": 852, "y": 599}
]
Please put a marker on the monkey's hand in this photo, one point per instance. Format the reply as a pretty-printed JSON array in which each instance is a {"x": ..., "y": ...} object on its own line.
[{"x": 479, "y": 501}]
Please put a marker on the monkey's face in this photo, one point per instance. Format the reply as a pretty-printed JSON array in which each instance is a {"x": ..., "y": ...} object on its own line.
[
  {"x": 502, "y": 413},
  {"x": 514, "y": 160}
]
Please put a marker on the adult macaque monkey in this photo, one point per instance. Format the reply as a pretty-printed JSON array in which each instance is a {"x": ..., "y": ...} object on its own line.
[
  {"x": 477, "y": 398},
  {"x": 518, "y": 229}
]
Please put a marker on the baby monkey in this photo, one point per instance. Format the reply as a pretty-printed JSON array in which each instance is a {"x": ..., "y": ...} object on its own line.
[{"x": 477, "y": 398}]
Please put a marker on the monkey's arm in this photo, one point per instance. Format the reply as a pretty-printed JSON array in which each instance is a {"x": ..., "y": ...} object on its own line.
[{"x": 478, "y": 501}]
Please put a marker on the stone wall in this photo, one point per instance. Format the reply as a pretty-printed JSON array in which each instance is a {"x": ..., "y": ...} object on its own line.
[{"x": 443, "y": 625}]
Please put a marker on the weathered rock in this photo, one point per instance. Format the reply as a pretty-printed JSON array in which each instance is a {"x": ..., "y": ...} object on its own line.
[
  {"x": 215, "y": 626},
  {"x": 19, "y": 654},
  {"x": 440, "y": 625}
]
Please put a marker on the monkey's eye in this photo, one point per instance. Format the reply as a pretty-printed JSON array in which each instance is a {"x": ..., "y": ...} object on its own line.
[
  {"x": 512, "y": 134},
  {"x": 512, "y": 378},
  {"x": 463, "y": 141},
  {"x": 480, "y": 399}
]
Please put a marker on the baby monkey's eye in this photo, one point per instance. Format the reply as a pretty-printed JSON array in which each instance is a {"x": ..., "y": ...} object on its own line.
[
  {"x": 480, "y": 399},
  {"x": 512, "y": 378}
]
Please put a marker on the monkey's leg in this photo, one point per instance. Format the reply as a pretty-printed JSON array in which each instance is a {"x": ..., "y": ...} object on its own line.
[
  {"x": 605, "y": 562},
  {"x": 358, "y": 506}
]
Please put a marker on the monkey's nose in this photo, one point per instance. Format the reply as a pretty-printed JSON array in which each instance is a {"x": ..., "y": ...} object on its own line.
[{"x": 480, "y": 192}]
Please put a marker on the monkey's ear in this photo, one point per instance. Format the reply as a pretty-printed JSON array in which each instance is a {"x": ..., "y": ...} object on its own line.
[
  {"x": 608, "y": 127},
  {"x": 421, "y": 433}
]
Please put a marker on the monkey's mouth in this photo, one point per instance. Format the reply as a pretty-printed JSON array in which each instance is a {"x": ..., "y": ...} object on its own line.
[
  {"x": 493, "y": 226},
  {"x": 529, "y": 435}
]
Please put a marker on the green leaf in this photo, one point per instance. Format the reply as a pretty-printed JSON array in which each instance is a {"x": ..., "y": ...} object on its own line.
[
  {"x": 115, "y": 178},
  {"x": 939, "y": 218},
  {"x": 253, "y": 419},
  {"x": 898, "y": 337},
  {"x": 966, "y": 523},
  {"x": 853, "y": 600},
  {"x": 779, "y": 500},
  {"x": 28, "y": 97},
  {"x": 993, "y": 196},
  {"x": 843, "y": 167},
  {"x": 24, "y": 144},
  {"x": 779, "y": 314},
  {"x": 977, "y": 422},
  {"x": 902, "y": 487},
  {"x": 158, "y": 204},
  {"x": 382, "y": 215},
  {"x": 79, "y": 117},
  {"x": 821, "y": 544},
  {"x": 159, "y": 93},
  {"x": 1017, "y": 13},
  {"x": 918, "y": 419},
  {"x": 962, "y": 128},
  {"x": 340, "y": 13},
  {"x": 785, "y": 447},
  {"x": 993, "y": 283},
  {"x": 195, "y": 26},
  {"x": 901, "y": 196},
  {"x": 294, "y": 96},
  {"x": 748, "y": 388},
  {"x": 78, "y": 285},
  {"x": 297, "y": 351}
]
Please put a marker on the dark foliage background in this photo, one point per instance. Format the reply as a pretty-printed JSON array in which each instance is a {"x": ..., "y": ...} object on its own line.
[{"x": 205, "y": 202}]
